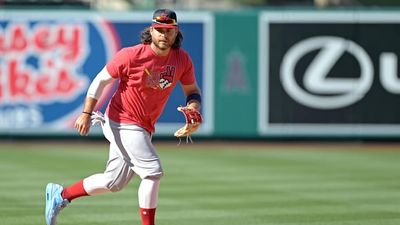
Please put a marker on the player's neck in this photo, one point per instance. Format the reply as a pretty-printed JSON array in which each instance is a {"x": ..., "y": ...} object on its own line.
[{"x": 158, "y": 51}]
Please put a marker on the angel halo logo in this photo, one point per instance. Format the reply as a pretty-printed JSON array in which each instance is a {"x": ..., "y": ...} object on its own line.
[{"x": 46, "y": 67}]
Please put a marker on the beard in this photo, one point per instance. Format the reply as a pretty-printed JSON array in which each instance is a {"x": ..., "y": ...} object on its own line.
[{"x": 162, "y": 45}]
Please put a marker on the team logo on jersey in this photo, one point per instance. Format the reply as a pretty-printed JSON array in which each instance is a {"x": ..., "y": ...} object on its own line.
[
  {"x": 162, "y": 80},
  {"x": 167, "y": 77}
]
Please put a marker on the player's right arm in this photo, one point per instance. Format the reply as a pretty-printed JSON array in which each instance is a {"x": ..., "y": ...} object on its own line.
[{"x": 83, "y": 122}]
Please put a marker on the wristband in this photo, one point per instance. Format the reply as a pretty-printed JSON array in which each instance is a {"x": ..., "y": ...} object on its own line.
[
  {"x": 194, "y": 96},
  {"x": 87, "y": 113}
]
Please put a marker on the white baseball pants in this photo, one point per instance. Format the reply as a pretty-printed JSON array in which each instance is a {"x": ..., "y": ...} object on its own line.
[{"x": 131, "y": 153}]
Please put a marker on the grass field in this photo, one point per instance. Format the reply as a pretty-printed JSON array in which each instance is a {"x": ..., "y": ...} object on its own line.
[{"x": 214, "y": 184}]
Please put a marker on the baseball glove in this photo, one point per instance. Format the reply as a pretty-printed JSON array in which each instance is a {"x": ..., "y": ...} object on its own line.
[{"x": 193, "y": 120}]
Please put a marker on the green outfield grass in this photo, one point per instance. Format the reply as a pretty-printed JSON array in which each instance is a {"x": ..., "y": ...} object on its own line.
[{"x": 214, "y": 184}]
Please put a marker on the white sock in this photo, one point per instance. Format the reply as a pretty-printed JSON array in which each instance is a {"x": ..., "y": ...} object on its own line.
[
  {"x": 94, "y": 185},
  {"x": 148, "y": 193}
]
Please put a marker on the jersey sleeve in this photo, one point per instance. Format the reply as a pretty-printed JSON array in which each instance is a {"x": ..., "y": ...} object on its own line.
[
  {"x": 188, "y": 73},
  {"x": 118, "y": 65},
  {"x": 98, "y": 84}
]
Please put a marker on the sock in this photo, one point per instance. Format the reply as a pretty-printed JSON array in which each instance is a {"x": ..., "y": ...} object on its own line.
[
  {"x": 74, "y": 191},
  {"x": 148, "y": 216},
  {"x": 148, "y": 193},
  {"x": 148, "y": 197}
]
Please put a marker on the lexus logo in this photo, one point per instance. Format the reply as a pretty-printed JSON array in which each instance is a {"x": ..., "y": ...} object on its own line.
[{"x": 318, "y": 90}]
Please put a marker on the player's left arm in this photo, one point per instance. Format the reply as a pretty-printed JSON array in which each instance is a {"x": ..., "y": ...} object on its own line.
[
  {"x": 191, "y": 111},
  {"x": 193, "y": 95}
]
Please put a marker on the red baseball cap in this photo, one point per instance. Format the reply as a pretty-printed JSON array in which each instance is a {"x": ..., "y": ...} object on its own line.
[{"x": 164, "y": 18}]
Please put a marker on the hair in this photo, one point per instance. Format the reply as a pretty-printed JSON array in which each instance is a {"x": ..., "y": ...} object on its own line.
[{"x": 145, "y": 38}]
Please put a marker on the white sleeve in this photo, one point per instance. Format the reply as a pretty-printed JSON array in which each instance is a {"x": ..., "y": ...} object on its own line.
[{"x": 97, "y": 86}]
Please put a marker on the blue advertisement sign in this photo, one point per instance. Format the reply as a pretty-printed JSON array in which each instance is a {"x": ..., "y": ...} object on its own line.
[{"x": 48, "y": 59}]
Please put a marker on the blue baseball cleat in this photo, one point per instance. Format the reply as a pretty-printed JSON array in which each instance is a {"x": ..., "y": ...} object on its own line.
[{"x": 54, "y": 202}]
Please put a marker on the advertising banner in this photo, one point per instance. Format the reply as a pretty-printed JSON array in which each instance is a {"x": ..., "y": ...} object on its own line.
[
  {"x": 329, "y": 73},
  {"x": 48, "y": 59},
  {"x": 236, "y": 83}
]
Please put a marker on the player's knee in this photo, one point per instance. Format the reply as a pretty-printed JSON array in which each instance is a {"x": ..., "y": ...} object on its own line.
[
  {"x": 155, "y": 176},
  {"x": 117, "y": 186},
  {"x": 117, "y": 183}
]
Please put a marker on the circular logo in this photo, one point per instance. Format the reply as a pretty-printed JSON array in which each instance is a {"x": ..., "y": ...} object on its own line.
[{"x": 318, "y": 90}]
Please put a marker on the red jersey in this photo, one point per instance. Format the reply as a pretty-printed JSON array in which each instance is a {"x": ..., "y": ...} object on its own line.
[{"x": 146, "y": 82}]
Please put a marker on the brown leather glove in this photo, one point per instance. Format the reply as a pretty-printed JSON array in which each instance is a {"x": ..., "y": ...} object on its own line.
[{"x": 193, "y": 120}]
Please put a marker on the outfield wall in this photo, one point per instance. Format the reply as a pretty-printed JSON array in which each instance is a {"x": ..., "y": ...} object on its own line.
[{"x": 271, "y": 73}]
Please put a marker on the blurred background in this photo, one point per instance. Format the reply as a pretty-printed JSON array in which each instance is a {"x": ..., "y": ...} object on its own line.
[
  {"x": 194, "y": 4},
  {"x": 269, "y": 69}
]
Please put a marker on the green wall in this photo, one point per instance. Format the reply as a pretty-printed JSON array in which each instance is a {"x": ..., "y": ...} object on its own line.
[{"x": 236, "y": 73}]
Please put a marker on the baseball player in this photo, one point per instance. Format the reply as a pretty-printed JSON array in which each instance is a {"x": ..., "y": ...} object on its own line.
[{"x": 147, "y": 73}]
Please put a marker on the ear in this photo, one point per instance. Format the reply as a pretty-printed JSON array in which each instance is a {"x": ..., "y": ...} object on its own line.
[{"x": 176, "y": 31}]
